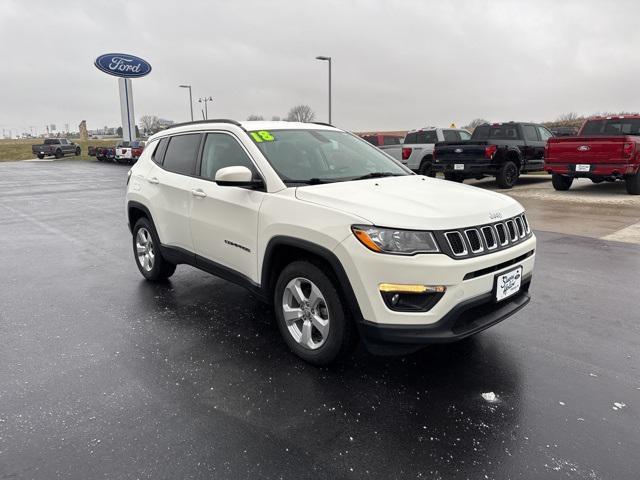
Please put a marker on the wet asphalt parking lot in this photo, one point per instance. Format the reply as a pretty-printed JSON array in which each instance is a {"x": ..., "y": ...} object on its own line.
[{"x": 103, "y": 375}]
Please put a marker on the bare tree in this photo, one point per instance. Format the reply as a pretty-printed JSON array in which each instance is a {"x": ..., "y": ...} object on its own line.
[
  {"x": 150, "y": 123},
  {"x": 475, "y": 122},
  {"x": 568, "y": 117},
  {"x": 301, "y": 113},
  {"x": 255, "y": 117}
]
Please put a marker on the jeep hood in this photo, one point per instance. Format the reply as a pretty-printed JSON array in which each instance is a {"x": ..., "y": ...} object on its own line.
[{"x": 413, "y": 202}]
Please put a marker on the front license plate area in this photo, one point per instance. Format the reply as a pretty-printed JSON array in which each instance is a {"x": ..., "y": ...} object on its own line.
[
  {"x": 458, "y": 166},
  {"x": 508, "y": 284},
  {"x": 582, "y": 168}
]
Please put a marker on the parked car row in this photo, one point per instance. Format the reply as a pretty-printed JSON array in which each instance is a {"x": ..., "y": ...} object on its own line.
[
  {"x": 123, "y": 152},
  {"x": 605, "y": 149}
]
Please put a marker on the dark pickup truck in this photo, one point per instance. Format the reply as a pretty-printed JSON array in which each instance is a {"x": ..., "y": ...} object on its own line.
[
  {"x": 55, "y": 147},
  {"x": 501, "y": 150}
]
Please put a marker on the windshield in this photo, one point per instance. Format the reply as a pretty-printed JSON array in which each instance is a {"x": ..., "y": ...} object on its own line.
[
  {"x": 612, "y": 126},
  {"x": 322, "y": 156}
]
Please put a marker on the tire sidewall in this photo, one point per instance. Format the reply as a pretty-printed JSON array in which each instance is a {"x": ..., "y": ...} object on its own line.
[
  {"x": 503, "y": 180},
  {"x": 338, "y": 320}
]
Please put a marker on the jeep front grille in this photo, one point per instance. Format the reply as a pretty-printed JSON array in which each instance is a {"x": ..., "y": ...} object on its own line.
[{"x": 483, "y": 239}]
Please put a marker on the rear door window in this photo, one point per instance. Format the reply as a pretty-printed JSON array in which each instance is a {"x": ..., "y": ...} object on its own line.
[
  {"x": 180, "y": 156},
  {"x": 450, "y": 136},
  {"x": 427, "y": 136},
  {"x": 530, "y": 133},
  {"x": 411, "y": 138}
]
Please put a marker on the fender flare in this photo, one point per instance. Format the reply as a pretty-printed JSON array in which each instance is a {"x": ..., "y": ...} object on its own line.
[
  {"x": 320, "y": 251},
  {"x": 133, "y": 204}
]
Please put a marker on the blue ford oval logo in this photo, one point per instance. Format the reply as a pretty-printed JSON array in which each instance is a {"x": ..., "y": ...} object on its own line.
[{"x": 122, "y": 65}]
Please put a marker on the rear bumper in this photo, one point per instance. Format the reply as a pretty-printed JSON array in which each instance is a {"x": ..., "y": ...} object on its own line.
[
  {"x": 467, "y": 318},
  {"x": 595, "y": 169},
  {"x": 471, "y": 168}
]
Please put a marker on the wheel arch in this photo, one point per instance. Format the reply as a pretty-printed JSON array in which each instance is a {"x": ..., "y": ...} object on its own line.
[
  {"x": 135, "y": 211},
  {"x": 282, "y": 250},
  {"x": 514, "y": 155}
]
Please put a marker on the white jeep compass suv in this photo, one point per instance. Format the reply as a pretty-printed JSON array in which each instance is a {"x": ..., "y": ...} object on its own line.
[{"x": 340, "y": 238}]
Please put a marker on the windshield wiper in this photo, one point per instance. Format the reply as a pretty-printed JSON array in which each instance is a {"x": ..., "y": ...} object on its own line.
[
  {"x": 309, "y": 181},
  {"x": 378, "y": 175}
]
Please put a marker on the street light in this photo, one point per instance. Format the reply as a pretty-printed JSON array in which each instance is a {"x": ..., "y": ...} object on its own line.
[
  {"x": 205, "y": 100},
  {"x": 327, "y": 59},
  {"x": 190, "y": 99}
]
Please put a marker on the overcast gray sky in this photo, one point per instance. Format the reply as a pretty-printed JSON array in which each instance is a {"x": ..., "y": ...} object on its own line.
[{"x": 397, "y": 64}]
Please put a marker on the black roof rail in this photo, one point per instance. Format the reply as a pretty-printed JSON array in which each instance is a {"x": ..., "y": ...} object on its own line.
[
  {"x": 324, "y": 123},
  {"x": 213, "y": 120}
]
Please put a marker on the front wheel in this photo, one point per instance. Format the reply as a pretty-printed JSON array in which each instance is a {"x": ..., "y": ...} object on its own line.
[
  {"x": 146, "y": 250},
  {"x": 633, "y": 184},
  {"x": 561, "y": 182},
  {"x": 507, "y": 175},
  {"x": 58, "y": 153},
  {"x": 78, "y": 151},
  {"x": 311, "y": 315}
]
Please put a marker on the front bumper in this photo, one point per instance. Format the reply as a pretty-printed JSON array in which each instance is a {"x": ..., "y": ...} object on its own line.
[
  {"x": 467, "y": 318},
  {"x": 469, "y": 283}
]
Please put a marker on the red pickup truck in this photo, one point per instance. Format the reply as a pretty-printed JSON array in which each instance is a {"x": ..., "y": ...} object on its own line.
[{"x": 606, "y": 148}]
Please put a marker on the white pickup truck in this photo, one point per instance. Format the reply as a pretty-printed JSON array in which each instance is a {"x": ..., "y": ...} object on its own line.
[{"x": 416, "y": 152}]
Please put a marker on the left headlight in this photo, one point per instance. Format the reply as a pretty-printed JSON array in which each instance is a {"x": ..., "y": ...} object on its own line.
[{"x": 393, "y": 240}]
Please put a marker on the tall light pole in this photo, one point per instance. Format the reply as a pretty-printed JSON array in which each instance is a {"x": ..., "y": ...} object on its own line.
[
  {"x": 327, "y": 59},
  {"x": 190, "y": 99},
  {"x": 205, "y": 100}
]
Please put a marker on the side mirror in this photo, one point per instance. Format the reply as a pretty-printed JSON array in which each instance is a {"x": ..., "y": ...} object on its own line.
[{"x": 236, "y": 177}]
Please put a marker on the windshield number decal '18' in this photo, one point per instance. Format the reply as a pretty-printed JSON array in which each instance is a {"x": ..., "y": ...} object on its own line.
[{"x": 262, "y": 136}]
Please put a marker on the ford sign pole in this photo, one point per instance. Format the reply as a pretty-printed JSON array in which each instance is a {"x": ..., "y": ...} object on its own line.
[{"x": 125, "y": 67}]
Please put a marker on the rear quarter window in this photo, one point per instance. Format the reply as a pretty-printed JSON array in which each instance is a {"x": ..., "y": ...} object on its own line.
[{"x": 180, "y": 156}]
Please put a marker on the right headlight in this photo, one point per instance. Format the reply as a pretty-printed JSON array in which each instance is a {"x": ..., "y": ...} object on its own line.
[{"x": 394, "y": 240}]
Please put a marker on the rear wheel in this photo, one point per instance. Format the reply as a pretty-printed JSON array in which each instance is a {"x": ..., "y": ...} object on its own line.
[
  {"x": 58, "y": 153},
  {"x": 633, "y": 184},
  {"x": 146, "y": 250},
  {"x": 78, "y": 151},
  {"x": 311, "y": 315},
  {"x": 561, "y": 182},
  {"x": 40, "y": 156},
  {"x": 426, "y": 168},
  {"x": 507, "y": 175},
  {"x": 454, "y": 177}
]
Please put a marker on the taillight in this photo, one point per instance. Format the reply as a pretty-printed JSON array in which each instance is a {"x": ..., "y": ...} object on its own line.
[
  {"x": 489, "y": 151},
  {"x": 628, "y": 148},
  {"x": 406, "y": 153}
]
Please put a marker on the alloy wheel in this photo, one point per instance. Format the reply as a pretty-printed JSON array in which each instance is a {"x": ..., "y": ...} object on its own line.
[
  {"x": 305, "y": 313},
  {"x": 144, "y": 249}
]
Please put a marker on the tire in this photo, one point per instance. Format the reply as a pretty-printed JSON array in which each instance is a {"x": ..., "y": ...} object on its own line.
[
  {"x": 40, "y": 156},
  {"x": 633, "y": 184},
  {"x": 58, "y": 153},
  {"x": 425, "y": 168},
  {"x": 78, "y": 151},
  {"x": 597, "y": 179},
  {"x": 153, "y": 267},
  {"x": 454, "y": 177},
  {"x": 561, "y": 182},
  {"x": 508, "y": 174},
  {"x": 321, "y": 330}
]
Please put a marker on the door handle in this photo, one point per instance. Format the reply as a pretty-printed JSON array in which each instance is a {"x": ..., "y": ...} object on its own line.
[
  {"x": 153, "y": 180},
  {"x": 198, "y": 193}
]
